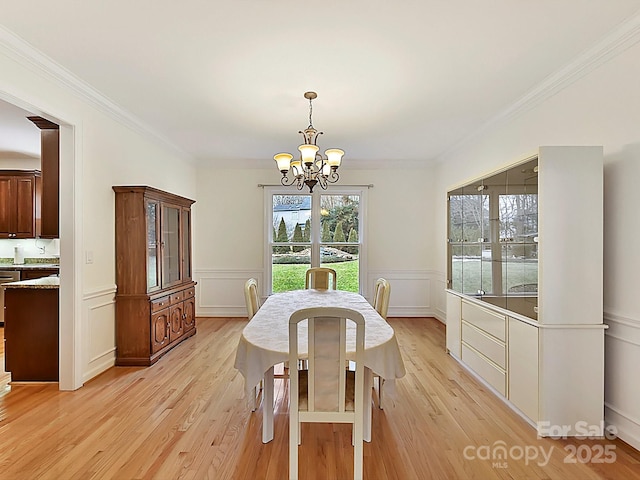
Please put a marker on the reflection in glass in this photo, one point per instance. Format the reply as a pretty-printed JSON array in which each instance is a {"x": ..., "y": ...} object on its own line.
[
  {"x": 493, "y": 232},
  {"x": 186, "y": 242},
  {"x": 152, "y": 246},
  {"x": 170, "y": 245}
]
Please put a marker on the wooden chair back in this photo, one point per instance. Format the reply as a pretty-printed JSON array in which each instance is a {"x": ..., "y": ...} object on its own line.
[
  {"x": 321, "y": 277},
  {"x": 381, "y": 297}
]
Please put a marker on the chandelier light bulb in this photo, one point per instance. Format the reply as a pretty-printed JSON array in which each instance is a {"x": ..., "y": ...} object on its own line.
[
  {"x": 296, "y": 167},
  {"x": 283, "y": 160},
  {"x": 334, "y": 157},
  {"x": 308, "y": 153}
]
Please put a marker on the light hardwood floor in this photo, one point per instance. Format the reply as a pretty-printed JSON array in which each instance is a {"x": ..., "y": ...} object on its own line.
[{"x": 186, "y": 417}]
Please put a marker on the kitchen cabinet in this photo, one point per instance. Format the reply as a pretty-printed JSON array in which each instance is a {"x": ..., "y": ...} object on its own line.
[
  {"x": 155, "y": 300},
  {"x": 50, "y": 165},
  {"x": 31, "y": 273},
  {"x": 31, "y": 332},
  {"x": 19, "y": 203}
]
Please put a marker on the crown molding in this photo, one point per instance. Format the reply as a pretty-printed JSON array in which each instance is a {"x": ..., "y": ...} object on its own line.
[
  {"x": 28, "y": 56},
  {"x": 624, "y": 36}
]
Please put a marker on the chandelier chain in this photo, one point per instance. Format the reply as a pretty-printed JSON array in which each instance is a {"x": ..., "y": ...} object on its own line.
[{"x": 310, "y": 112}]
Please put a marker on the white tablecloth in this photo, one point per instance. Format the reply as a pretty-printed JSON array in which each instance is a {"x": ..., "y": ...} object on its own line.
[{"x": 265, "y": 339}]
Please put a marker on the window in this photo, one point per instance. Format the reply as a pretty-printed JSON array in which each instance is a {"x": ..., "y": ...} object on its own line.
[{"x": 319, "y": 229}]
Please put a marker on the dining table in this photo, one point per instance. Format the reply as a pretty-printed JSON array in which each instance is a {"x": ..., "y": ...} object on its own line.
[{"x": 264, "y": 343}]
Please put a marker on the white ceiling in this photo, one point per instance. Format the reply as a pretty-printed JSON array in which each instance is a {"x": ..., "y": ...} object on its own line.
[{"x": 224, "y": 81}]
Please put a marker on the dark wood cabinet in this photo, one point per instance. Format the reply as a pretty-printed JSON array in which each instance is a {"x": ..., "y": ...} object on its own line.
[
  {"x": 50, "y": 165},
  {"x": 155, "y": 301},
  {"x": 19, "y": 203},
  {"x": 31, "y": 334},
  {"x": 29, "y": 274}
]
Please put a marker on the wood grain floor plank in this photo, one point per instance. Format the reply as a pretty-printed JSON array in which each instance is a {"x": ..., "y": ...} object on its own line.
[{"x": 186, "y": 418}]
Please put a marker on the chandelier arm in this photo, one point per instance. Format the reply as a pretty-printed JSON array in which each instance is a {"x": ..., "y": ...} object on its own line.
[
  {"x": 333, "y": 176},
  {"x": 322, "y": 180},
  {"x": 286, "y": 181}
]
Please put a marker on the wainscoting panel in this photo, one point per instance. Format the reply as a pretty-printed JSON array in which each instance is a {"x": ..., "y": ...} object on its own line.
[
  {"x": 438, "y": 287},
  {"x": 622, "y": 390},
  {"x": 99, "y": 313},
  {"x": 412, "y": 292},
  {"x": 220, "y": 293}
]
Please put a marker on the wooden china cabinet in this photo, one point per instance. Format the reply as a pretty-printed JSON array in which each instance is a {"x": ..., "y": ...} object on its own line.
[{"x": 155, "y": 301}]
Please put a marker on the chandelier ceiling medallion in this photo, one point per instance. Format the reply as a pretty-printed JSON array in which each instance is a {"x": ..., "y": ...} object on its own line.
[{"x": 311, "y": 168}]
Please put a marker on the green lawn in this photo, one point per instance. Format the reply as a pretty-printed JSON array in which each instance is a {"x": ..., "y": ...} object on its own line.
[{"x": 291, "y": 276}]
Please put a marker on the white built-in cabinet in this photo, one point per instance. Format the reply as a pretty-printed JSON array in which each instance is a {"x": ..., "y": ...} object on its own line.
[{"x": 540, "y": 346}]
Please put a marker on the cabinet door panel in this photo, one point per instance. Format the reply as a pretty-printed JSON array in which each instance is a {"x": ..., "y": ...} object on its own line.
[
  {"x": 159, "y": 330},
  {"x": 186, "y": 244},
  {"x": 153, "y": 258},
  {"x": 24, "y": 216},
  {"x": 189, "y": 314},
  {"x": 171, "y": 274},
  {"x": 7, "y": 206},
  {"x": 523, "y": 367},
  {"x": 176, "y": 329}
]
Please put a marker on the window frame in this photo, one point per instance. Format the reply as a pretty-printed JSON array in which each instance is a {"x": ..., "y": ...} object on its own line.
[{"x": 270, "y": 191}]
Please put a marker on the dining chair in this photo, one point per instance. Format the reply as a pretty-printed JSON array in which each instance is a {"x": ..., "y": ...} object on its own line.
[
  {"x": 326, "y": 392},
  {"x": 320, "y": 277},
  {"x": 251, "y": 297},
  {"x": 381, "y": 305},
  {"x": 253, "y": 304}
]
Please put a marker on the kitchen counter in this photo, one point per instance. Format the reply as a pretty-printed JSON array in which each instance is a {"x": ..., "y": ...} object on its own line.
[
  {"x": 31, "y": 329},
  {"x": 36, "y": 283}
]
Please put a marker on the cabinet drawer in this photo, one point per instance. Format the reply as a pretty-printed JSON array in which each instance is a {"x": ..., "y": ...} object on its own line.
[
  {"x": 176, "y": 297},
  {"x": 159, "y": 303},
  {"x": 189, "y": 293},
  {"x": 485, "y": 344},
  {"x": 492, "y": 323},
  {"x": 490, "y": 372}
]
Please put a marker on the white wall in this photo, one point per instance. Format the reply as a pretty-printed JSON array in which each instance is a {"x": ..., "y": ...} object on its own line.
[
  {"x": 20, "y": 164},
  {"x": 601, "y": 108},
  {"x": 229, "y": 236},
  {"x": 100, "y": 147}
]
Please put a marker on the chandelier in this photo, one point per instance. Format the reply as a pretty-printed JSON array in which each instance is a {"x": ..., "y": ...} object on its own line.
[{"x": 312, "y": 168}]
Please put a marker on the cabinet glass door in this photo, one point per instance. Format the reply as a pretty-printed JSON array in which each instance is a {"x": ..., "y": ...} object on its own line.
[
  {"x": 153, "y": 257},
  {"x": 170, "y": 245},
  {"x": 186, "y": 244}
]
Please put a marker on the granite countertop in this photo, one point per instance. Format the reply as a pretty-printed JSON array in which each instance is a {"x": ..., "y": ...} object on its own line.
[
  {"x": 30, "y": 264},
  {"x": 37, "y": 283},
  {"x": 27, "y": 266}
]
